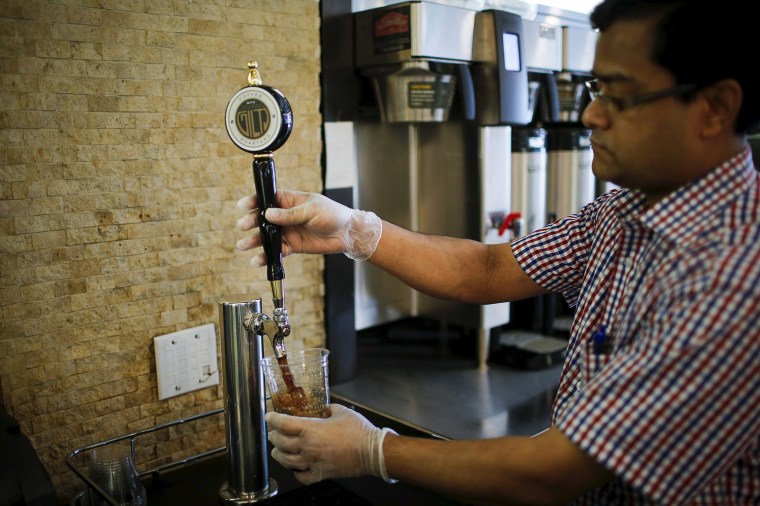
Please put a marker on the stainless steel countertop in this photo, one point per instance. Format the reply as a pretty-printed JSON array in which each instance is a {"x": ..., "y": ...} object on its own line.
[{"x": 447, "y": 394}]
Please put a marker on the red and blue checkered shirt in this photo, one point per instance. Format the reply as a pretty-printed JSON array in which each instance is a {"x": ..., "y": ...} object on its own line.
[{"x": 669, "y": 400}]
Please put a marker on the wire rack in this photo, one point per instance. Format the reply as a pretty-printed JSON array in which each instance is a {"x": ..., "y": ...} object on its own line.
[{"x": 79, "y": 453}]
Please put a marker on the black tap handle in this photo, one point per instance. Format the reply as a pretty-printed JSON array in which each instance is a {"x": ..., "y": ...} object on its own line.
[{"x": 271, "y": 235}]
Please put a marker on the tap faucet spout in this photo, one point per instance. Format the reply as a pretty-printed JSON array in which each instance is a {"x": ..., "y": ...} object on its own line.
[{"x": 276, "y": 329}]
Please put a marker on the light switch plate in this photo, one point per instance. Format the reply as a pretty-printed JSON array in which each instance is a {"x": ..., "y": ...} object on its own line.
[{"x": 186, "y": 361}]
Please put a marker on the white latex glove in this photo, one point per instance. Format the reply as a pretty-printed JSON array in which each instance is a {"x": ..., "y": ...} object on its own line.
[
  {"x": 312, "y": 223},
  {"x": 345, "y": 444}
]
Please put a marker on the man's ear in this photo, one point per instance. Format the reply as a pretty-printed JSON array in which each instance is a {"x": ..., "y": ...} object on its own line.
[{"x": 723, "y": 101}]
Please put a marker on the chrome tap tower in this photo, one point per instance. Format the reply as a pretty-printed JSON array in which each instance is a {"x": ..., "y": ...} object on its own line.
[
  {"x": 259, "y": 121},
  {"x": 244, "y": 405}
]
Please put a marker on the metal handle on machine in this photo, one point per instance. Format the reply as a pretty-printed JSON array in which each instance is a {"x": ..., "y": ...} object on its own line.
[
  {"x": 271, "y": 235},
  {"x": 468, "y": 91},
  {"x": 552, "y": 96}
]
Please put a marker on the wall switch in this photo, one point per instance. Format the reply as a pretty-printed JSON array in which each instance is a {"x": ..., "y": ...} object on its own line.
[{"x": 186, "y": 361}]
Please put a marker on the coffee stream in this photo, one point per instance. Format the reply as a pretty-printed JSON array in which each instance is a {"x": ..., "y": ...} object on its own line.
[
  {"x": 294, "y": 401},
  {"x": 287, "y": 376}
]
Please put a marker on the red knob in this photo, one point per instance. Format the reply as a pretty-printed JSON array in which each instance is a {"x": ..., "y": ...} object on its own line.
[{"x": 508, "y": 220}]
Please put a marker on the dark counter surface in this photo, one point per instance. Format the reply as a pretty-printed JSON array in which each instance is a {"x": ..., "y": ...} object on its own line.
[
  {"x": 407, "y": 385},
  {"x": 198, "y": 483}
]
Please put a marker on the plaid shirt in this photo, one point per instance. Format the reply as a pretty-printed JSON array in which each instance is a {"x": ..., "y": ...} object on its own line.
[{"x": 669, "y": 399}]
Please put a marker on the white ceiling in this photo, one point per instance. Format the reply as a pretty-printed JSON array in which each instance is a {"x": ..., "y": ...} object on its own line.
[{"x": 571, "y": 5}]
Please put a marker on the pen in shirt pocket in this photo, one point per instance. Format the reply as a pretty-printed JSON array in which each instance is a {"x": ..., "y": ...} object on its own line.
[{"x": 599, "y": 339}]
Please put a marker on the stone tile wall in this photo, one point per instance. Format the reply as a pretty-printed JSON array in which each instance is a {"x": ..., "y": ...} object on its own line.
[{"x": 117, "y": 218}]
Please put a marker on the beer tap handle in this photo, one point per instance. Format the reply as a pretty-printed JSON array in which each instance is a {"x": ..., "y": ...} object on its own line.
[
  {"x": 259, "y": 121},
  {"x": 271, "y": 234}
]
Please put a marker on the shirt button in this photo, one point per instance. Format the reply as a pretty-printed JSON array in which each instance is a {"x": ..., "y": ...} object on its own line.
[{"x": 628, "y": 262}]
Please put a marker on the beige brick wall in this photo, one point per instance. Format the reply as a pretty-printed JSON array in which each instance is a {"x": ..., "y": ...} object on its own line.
[{"x": 117, "y": 219}]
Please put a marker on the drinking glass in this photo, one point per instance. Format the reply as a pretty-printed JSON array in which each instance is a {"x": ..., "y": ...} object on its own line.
[
  {"x": 111, "y": 468},
  {"x": 298, "y": 383}
]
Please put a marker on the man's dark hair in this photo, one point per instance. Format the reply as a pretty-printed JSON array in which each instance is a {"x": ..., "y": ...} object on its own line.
[{"x": 698, "y": 42}]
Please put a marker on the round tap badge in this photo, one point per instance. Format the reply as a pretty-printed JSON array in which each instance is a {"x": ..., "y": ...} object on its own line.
[{"x": 259, "y": 119}]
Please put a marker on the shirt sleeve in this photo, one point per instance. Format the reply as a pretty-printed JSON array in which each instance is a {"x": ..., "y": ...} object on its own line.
[{"x": 556, "y": 256}]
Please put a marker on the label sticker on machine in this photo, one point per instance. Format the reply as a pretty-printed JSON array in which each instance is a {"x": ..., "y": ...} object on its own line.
[
  {"x": 391, "y": 31},
  {"x": 428, "y": 95},
  {"x": 511, "y": 45}
]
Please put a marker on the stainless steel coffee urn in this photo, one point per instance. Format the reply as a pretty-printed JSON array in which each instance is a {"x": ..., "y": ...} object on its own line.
[
  {"x": 437, "y": 157},
  {"x": 570, "y": 182},
  {"x": 529, "y": 161}
]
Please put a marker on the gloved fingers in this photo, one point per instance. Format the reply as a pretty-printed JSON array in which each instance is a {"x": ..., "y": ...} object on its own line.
[
  {"x": 291, "y": 216},
  {"x": 259, "y": 260},
  {"x": 284, "y": 442},
  {"x": 249, "y": 221},
  {"x": 248, "y": 203},
  {"x": 291, "y": 198},
  {"x": 339, "y": 409},
  {"x": 290, "y": 209},
  {"x": 294, "y": 461},
  {"x": 249, "y": 242},
  {"x": 287, "y": 424},
  {"x": 322, "y": 215},
  {"x": 346, "y": 415}
]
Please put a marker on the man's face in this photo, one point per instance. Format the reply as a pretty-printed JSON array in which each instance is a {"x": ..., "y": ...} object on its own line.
[{"x": 645, "y": 146}]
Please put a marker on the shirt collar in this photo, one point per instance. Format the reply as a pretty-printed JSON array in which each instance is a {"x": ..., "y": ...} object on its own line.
[{"x": 686, "y": 212}]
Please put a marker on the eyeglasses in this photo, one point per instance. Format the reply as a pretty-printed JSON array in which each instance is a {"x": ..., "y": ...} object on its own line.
[{"x": 619, "y": 104}]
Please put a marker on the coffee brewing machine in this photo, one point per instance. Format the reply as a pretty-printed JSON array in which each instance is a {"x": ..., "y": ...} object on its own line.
[
  {"x": 551, "y": 169},
  {"x": 259, "y": 121},
  {"x": 428, "y": 164},
  {"x": 421, "y": 115}
]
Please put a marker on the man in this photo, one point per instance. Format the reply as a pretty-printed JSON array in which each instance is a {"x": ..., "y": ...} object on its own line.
[{"x": 659, "y": 398}]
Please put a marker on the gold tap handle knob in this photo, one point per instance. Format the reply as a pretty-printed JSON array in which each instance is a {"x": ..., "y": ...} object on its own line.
[{"x": 254, "y": 78}]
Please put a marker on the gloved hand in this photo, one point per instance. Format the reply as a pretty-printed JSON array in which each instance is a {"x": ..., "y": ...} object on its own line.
[
  {"x": 312, "y": 223},
  {"x": 343, "y": 445}
]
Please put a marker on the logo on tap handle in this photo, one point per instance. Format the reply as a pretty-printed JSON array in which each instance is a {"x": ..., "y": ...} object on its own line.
[{"x": 258, "y": 117}]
